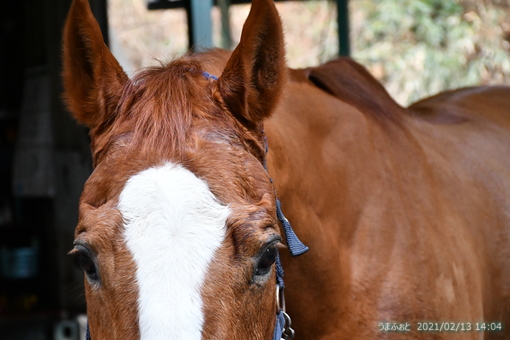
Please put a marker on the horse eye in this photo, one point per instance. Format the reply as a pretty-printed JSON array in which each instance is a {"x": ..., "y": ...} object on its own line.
[
  {"x": 87, "y": 265},
  {"x": 265, "y": 262}
]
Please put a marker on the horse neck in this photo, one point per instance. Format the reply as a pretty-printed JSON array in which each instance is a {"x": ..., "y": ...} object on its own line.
[{"x": 332, "y": 163}]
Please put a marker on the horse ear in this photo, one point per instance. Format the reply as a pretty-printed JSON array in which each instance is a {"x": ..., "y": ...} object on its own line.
[
  {"x": 93, "y": 79},
  {"x": 253, "y": 78}
]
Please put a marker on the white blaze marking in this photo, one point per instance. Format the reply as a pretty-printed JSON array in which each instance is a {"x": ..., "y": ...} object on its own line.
[{"x": 173, "y": 226}]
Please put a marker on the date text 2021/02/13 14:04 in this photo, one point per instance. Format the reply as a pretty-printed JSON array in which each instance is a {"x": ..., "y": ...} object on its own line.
[{"x": 441, "y": 326}]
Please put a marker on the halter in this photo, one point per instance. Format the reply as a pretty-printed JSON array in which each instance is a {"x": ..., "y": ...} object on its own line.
[{"x": 282, "y": 329}]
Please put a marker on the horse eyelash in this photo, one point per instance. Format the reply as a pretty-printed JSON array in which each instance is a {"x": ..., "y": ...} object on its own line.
[
  {"x": 73, "y": 251},
  {"x": 280, "y": 246}
]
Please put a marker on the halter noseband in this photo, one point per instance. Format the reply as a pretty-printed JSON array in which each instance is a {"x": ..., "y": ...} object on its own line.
[{"x": 282, "y": 329}]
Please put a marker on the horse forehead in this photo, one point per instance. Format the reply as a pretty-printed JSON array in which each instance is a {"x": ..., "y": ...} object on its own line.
[{"x": 173, "y": 226}]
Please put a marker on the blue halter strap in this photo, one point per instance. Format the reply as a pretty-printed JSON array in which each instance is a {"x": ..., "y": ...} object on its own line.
[
  {"x": 209, "y": 76},
  {"x": 282, "y": 329}
]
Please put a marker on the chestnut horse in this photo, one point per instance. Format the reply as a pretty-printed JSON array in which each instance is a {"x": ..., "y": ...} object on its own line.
[{"x": 406, "y": 211}]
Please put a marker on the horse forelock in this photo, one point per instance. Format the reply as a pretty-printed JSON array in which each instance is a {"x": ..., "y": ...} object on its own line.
[{"x": 161, "y": 103}]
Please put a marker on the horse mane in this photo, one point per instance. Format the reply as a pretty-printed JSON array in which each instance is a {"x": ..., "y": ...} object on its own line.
[{"x": 352, "y": 83}]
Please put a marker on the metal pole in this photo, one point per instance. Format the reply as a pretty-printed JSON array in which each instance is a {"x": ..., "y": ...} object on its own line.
[
  {"x": 226, "y": 35},
  {"x": 200, "y": 23},
  {"x": 343, "y": 27}
]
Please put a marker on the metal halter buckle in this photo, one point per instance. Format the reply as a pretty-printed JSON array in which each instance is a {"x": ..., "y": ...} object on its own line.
[{"x": 287, "y": 333}]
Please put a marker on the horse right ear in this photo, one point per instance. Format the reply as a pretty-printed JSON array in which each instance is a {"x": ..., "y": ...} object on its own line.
[
  {"x": 253, "y": 78},
  {"x": 93, "y": 79}
]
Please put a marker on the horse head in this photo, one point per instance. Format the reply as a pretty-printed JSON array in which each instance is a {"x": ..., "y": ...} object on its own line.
[{"x": 178, "y": 230}]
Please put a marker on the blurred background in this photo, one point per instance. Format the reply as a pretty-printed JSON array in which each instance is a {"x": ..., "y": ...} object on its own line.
[{"x": 416, "y": 48}]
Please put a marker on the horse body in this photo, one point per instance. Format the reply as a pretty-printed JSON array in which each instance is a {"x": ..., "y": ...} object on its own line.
[{"x": 405, "y": 211}]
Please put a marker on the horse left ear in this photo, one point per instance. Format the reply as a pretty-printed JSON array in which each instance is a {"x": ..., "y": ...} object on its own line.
[
  {"x": 253, "y": 78},
  {"x": 93, "y": 79}
]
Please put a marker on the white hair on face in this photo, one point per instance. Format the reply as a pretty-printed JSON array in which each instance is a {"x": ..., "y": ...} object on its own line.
[{"x": 173, "y": 227}]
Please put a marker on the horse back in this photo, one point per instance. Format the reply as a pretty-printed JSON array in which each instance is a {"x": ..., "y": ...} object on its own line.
[{"x": 486, "y": 103}]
